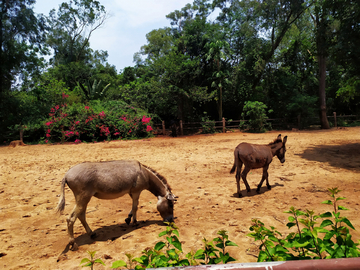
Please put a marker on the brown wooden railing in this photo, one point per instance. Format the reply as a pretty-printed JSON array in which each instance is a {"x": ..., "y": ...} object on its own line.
[{"x": 276, "y": 123}]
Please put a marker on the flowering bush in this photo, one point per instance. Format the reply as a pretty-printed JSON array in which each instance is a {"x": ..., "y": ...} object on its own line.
[{"x": 96, "y": 122}]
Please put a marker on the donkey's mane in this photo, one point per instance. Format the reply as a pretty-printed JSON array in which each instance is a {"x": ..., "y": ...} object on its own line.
[
  {"x": 162, "y": 178},
  {"x": 275, "y": 142}
]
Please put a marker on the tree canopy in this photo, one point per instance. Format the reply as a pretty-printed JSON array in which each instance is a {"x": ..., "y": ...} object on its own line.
[{"x": 300, "y": 58}]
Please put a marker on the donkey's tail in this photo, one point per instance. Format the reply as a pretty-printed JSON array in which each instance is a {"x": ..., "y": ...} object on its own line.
[
  {"x": 61, "y": 205},
  {"x": 235, "y": 157},
  {"x": 233, "y": 168}
]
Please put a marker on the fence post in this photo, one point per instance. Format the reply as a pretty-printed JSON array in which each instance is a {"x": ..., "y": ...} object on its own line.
[
  {"x": 163, "y": 127},
  {"x": 21, "y": 133},
  {"x": 223, "y": 122},
  {"x": 335, "y": 123},
  {"x": 181, "y": 128}
]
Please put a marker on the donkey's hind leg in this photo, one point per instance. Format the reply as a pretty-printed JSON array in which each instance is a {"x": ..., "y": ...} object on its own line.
[
  {"x": 243, "y": 175},
  {"x": 79, "y": 211},
  {"x": 237, "y": 176},
  {"x": 264, "y": 176}
]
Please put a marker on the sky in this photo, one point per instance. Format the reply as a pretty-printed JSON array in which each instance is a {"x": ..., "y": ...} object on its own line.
[{"x": 125, "y": 30}]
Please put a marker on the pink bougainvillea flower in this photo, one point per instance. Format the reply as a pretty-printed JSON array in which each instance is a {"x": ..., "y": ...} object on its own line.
[
  {"x": 48, "y": 135},
  {"x": 57, "y": 107},
  {"x": 64, "y": 96},
  {"x": 123, "y": 118},
  {"x": 46, "y": 141},
  {"x": 145, "y": 119},
  {"x": 48, "y": 123},
  {"x": 102, "y": 114},
  {"x": 48, "y": 131},
  {"x": 116, "y": 133},
  {"x": 149, "y": 128},
  {"x": 77, "y": 133},
  {"x": 77, "y": 141},
  {"x": 77, "y": 122},
  {"x": 87, "y": 107}
]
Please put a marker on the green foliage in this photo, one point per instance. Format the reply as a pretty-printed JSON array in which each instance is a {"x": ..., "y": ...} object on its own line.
[
  {"x": 90, "y": 262},
  {"x": 255, "y": 112},
  {"x": 349, "y": 90},
  {"x": 21, "y": 42},
  {"x": 169, "y": 253},
  {"x": 255, "y": 50},
  {"x": 329, "y": 239},
  {"x": 96, "y": 121},
  {"x": 93, "y": 91},
  {"x": 207, "y": 125}
]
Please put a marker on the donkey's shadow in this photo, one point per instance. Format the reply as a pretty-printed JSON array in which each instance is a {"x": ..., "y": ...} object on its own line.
[
  {"x": 254, "y": 193},
  {"x": 111, "y": 232}
]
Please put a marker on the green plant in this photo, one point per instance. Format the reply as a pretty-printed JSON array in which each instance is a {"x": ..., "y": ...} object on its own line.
[
  {"x": 93, "y": 91},
  {"x": 96, "y": 121},
  {"x": 90, "y": 262},
  {"x": 330, "y": 239},
  {"x": 255, "y": 112},
  {"x": 170, "y": 252},
  {"x": 208, "y": 126}
]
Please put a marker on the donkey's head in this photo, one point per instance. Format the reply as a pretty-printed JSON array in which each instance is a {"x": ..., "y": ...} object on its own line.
[
  {"x": 280, "y": 153},
  {"x": 165, "y": 206}
]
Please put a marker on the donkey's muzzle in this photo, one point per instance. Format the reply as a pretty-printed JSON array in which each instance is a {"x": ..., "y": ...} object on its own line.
[
  {"x": 169, "y": 219},
  {"x": 283, "y": 160}
]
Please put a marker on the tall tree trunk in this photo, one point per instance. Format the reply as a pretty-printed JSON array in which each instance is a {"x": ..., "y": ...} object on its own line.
[
  {"x": 322, "y": 96},
  {"x": 220, "y": 107}
]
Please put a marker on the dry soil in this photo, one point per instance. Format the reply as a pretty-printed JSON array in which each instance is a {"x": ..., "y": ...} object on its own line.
[{"x": 33, "y": 236}]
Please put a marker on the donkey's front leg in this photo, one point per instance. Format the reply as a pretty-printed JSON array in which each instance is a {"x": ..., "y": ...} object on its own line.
[
  {"x": 264, "y": 176},
  {"x": 132, "y": 214}
]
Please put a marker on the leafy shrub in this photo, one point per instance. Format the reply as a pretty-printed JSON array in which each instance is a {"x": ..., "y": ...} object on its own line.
[
  {"x": 208, "y": 126},
  {"x": 96, "y": 121},
  {"x": 307, "y": 243},
  {"x": 255, "y": 112},
  {"x": 170, "y": 253}
]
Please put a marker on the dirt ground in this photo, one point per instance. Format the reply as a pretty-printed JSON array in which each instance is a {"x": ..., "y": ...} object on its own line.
[{"x": 33, "y": 236}]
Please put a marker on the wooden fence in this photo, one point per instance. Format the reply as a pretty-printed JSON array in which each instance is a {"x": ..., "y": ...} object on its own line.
[{"x": 277, "y": 123}]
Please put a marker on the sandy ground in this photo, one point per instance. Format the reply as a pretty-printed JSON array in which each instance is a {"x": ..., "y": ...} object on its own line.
[{"x": 33, "y": 236}]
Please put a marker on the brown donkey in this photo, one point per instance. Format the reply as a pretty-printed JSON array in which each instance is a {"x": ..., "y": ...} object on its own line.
[
  {"x": 255, "y": 156},
  {"x": 110, "y": 180}
]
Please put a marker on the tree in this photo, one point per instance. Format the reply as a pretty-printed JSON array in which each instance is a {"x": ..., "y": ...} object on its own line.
[
  {"x": 323, "y": 33},
  {"x": 347, "y": 51},
  {"x": 272, "y": 19},
  {"x": 218, "y": 52},
  {"x": 21, "y": 41},
  {"x": 71, "y": 28}
]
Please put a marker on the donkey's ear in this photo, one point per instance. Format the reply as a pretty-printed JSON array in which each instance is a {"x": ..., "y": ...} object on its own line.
[
  {"x": 279, "y": 137},
  {"x": 285, "y": 139}
]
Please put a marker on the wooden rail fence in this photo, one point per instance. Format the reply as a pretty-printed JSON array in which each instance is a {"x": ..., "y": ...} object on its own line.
[{"x": 225, "y": 125}]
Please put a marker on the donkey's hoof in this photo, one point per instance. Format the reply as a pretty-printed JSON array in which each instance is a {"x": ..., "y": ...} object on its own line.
[
  {"x": 269, "y": 187},
  {"x": 127, "y": 220},
  {"x": 240, "y": 195},
  {"x": 73, "y": 247},
  {"x": 258, "y": 190}
]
